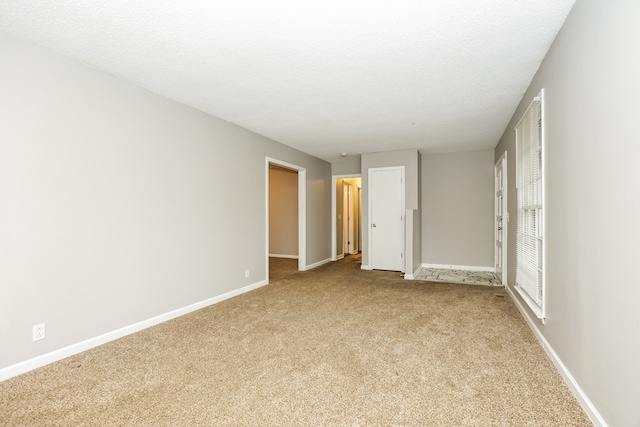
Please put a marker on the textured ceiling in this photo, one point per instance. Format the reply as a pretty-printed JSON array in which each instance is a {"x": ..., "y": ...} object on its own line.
[{"x": 324, "y": 77}]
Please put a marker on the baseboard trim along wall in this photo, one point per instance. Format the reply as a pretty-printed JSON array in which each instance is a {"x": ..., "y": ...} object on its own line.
[
  {"x": 318, "y": 264},
  {"x": 54, "y": 356},
  {"x": 412, "y": 276},
  {"x": 283, "y": 256},
  {"x": 365, "y": 267},
  {"x": 580, "y": 395},
  {"x": 459, "y": 267}
]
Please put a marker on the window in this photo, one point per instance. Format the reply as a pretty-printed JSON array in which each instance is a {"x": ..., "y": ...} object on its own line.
[{"x": 529, "y": 229}]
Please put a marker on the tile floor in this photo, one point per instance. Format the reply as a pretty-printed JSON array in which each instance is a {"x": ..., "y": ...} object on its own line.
[{"x": 459, "y": 276}]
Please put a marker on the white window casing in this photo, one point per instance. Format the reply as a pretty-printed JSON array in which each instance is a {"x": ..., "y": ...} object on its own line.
[{"x": 530, "y": 220}]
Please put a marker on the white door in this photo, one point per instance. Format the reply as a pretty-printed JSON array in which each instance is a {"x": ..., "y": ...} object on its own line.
[
  {"x": 386, "y": 210},
  {"x": 500, "y": 227}
]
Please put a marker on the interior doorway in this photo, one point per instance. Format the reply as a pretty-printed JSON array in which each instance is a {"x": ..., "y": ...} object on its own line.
[
  {"x": 347, "y": 216},
  {"x": 348, "y": 229},
  {"x": 287, "y": 238},
  {"x": 283, "y": 212}
]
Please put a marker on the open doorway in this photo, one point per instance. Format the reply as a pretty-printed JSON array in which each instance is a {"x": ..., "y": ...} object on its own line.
[
  {"x": 347, "y": 216},
  {"x": 285, "y": 216}
]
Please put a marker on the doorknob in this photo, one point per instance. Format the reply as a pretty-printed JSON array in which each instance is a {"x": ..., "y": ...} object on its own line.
[
  {"x": 374, "y": 225},
  {"x": 499, "y": 228}
]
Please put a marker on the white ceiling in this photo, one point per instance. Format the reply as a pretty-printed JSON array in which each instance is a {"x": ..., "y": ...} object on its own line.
[{"x": 324, "y": 76}]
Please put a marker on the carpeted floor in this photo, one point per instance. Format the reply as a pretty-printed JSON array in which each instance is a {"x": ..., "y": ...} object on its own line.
[{"x": 332, "y": 346}]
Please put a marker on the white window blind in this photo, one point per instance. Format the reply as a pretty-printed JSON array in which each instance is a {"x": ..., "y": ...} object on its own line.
[{"x": 529, "y": 256}]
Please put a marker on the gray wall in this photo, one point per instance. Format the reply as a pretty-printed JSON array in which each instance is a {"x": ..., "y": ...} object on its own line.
[
  {"x": 118, "y": 205},
  {"x": 457, "y": 208},
  {"x": 283, "y": 211},
  {"x": 410, "y": 159},
  {"x": 350, "y": 165},
  {"x": 592, "y": 202},
  {"x": 413, "y": 259}
]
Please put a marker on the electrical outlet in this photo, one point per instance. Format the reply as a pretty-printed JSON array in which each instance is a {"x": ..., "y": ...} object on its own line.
[
  {"x": 246, "y": 273},
  {"x": 38, "y": 332}
]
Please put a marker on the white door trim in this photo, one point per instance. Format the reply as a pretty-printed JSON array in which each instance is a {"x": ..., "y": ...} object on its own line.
[
  {"x": 402, "y": 203},
  {"x": 302, "y": 211},
  {"x": 502, "y": 162}
]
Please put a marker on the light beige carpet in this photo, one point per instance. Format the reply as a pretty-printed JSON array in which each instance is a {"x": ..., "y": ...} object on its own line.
[{"x": 333, "y": 346}]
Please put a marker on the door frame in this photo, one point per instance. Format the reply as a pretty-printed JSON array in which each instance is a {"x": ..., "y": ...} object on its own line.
[
  {"x": 402, "y": 213},
  {"x": 501, "y": 163},
  {"x": 302, "y": 211}
]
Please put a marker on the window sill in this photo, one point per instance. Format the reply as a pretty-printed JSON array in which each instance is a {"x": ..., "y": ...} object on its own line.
[{"x": 538, "y": 311}]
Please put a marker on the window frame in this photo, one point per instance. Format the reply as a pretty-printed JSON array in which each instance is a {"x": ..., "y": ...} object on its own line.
[{"x": 523, "y": 269}]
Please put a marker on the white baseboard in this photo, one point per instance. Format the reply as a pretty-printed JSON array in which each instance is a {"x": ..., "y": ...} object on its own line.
[
  {"x": 54, "y": 356},
  {"x": 365, "y": 267},
  {"x": 414, "y": 275},
  {"x": 283, "y": 256},
  {"x": 459, "y": 267},
  {"x": 579, "y": 394},
  {"x": 317, "y": 264},
  {"x": 341, "y": 256}
]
